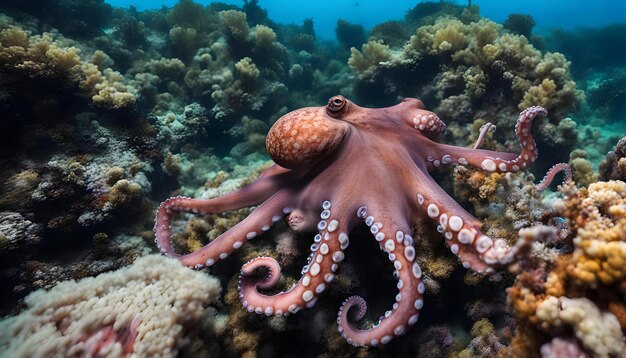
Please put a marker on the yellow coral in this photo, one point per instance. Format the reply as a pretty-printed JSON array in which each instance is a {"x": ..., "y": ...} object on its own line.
[
  {"x": 14, "y": 36},
  {"x": 38, "y": 56},
  {"x": 264, "y": 36},
  {"x": 539, "y": 95},
  {"x": 235, "y": 22},
  {"x": 111, "y": 92},
  {"x": 44, "y": 57},
  {"x": 247, "y": 69},
  {"x": 582, "y": 168},
  {"x": 445, "y": 35},
  {"x": 374, "y": 52},
  {"x": 480, "y": 45},
  {"x": 123, "y": 192}
]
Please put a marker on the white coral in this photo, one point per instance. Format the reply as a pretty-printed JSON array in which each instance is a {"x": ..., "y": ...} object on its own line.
[
  {"x": 162, "y": 294},
  {"x": 599, "y": 332}
]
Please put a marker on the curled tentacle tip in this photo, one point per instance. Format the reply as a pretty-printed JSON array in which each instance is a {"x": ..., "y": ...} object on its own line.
[
  {"x": 269, "y": 280},
  {"x": 354, "y": 301},
  {"x": 551, "y": 174}
]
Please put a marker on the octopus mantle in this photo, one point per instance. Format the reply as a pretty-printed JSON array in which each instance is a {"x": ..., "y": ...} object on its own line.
[{"x": 322, "y": 182}]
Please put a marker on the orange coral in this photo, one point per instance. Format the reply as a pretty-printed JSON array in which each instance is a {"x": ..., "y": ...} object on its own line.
[{"x": 599, "y": 216}]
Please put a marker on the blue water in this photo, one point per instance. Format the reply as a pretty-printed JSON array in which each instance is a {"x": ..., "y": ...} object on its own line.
[{"x": 565, "y": 14}]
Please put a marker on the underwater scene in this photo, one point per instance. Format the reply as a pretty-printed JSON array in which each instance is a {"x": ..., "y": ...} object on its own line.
[{"x": 356, "y": 178}]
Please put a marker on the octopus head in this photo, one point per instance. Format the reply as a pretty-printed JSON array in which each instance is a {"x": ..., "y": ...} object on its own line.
[
  {"x": 409, "y": 114},
  {"x": 308, "y": 135}
]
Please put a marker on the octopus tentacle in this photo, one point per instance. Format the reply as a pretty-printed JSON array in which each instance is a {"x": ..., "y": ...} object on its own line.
[
  {"x": 549, "y": 177},
  {"x": 429, "y": 124},
  {"x": 405, "y": 313},
  {"x": 493, "y": 161},
  {"x": 486, "y": 128},
  {"x": 273, "y": 170},
  {"x": 461, "y": 229},
  {"x": 260, "y": 220},
  {"x": 327, "y": 253}
]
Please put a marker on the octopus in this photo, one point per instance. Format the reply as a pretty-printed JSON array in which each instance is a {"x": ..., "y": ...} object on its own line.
[{"x": 341, "y": 166}]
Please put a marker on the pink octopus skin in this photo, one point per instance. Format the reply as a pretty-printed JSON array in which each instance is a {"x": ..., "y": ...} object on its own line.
[{"x": 339, "y": 166}]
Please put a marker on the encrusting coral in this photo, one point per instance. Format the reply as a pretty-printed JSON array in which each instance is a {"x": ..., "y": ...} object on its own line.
[{"x": 145, "y": 309}]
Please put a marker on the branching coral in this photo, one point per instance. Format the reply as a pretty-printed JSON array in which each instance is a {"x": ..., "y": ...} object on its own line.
[
  {"x": 373, "y": 53},
  {"x": 184, "y": 41},
  {"x": 156, "y": 299},
  {"x": 235, "y": 24},
  {"x": 264, "y": 36},
  {"x": 541, "y": 80},
  {"x": 189, "y": 14}
]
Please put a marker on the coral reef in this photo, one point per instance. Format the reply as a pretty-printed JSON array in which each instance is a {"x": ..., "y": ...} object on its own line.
[
  {"x": 472, "y": 70},
  {"x": 106, "y": 111},
  {"x": 294, "y": 144},
  {"x": 42, "y": 57},
  {"x": 581, "y": 283}
]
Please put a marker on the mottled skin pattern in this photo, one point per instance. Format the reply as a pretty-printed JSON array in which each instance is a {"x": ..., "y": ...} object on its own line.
[{"x": 340, "y": 166}]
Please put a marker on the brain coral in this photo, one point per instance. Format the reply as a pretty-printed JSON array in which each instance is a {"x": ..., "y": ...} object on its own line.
[{"x": 156, "y": 298}]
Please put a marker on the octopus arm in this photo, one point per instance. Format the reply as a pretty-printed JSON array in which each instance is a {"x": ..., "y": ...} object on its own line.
[
  {"x": 460, "y": 229},
  {"x": 327, "y": 253},
  {"x": 405, "y": 312},
  {"x": 274, "y": 170},
  {"x": 496, "y": 161},
  {"x": 564, "y": 168},
  {"x": 260, "y": 220},
  {"x": 486, "y": 128}
]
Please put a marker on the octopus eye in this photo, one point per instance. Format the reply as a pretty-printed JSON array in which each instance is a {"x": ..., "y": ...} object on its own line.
[{"x": 336, "y": 105}]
